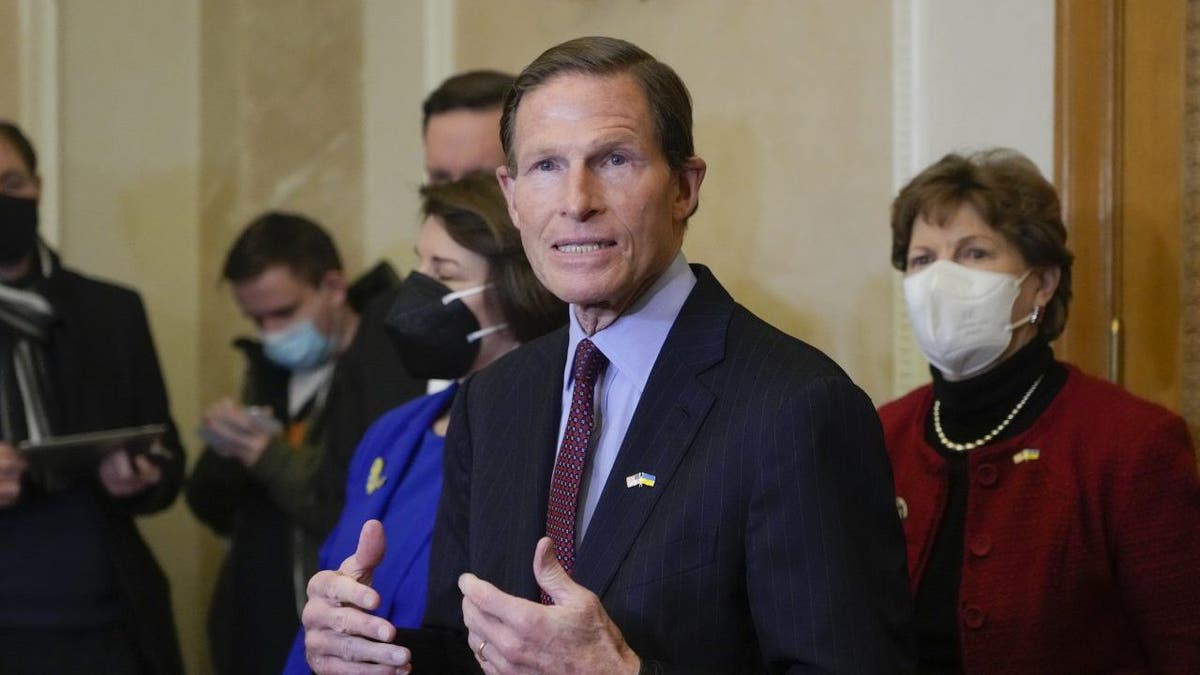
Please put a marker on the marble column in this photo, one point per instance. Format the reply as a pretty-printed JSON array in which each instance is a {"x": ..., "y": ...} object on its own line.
[{"x": 281, "y": 128}]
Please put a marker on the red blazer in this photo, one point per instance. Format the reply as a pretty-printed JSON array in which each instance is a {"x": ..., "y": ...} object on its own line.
[{"x": 1082, "y": 556}]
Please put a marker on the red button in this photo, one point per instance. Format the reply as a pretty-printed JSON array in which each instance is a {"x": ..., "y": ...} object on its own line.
[
  {"x": 980, "y": 545},
  {"x": 973, "y": 617},
  {"x": 987, "y": 475}
]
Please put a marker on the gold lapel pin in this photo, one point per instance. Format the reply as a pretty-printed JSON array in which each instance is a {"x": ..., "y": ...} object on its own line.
[
  {"x": 1026, "y": 455},
  {"x": 376, "y": 479}
]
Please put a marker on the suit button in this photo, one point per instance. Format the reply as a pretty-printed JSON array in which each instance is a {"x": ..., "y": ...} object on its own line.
[
  {"x": 973, "y": 617},
  {"x": 980, "y": 545},
  {"x": 987, "y": 475}
]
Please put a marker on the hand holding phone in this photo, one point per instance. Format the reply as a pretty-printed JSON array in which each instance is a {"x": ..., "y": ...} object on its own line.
[
  {"x": 264, "y": 420},
  {"x": 239, "y": 432}
]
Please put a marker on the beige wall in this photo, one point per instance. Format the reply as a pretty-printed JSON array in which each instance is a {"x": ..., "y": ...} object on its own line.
[
  {"x": 793, "y": 115},
  {"x": 281, "y": 120},
  {"x": 129, "y": 128},
  {"x": 10, "y": 84},
  {"x": 394, "y": 46},
  {"x": 179, "y": 120}
]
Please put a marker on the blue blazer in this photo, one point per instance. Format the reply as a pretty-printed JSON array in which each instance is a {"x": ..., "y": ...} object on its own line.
[
  {"x": 395, "y": 477},
  {"x": 770, "y": 541}
]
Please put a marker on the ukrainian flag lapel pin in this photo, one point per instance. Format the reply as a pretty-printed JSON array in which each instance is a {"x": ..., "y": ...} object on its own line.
[
  {"x": 1026, "y": 455},
  {"x": 640, "y": 479},
  {"x": 376, "y": 479}
]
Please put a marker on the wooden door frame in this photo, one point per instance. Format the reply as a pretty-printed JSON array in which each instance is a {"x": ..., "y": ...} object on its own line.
[
  {"x": 1119, "y": 142},
  {"x": 1086, "y": 157}
]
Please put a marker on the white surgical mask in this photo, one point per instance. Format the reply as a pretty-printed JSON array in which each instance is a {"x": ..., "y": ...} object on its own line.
[{"x": 960, "y": 316}]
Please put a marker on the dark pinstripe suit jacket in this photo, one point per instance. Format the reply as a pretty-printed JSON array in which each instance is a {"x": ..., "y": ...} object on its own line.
[{"x": 770, "y": 541}]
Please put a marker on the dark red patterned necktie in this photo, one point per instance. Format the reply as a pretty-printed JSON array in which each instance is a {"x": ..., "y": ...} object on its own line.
[{"x": 572, "y": 457}]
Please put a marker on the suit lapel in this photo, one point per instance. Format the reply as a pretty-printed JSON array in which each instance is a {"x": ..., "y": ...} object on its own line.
[
  {"x": 538, "y": 397},
  {"x": 673, "y": 406},
  {"x": 65, "y": 340}
]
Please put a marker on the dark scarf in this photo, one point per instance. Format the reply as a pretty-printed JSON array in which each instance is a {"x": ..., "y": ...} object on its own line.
[{"x": 28, "y": 402}]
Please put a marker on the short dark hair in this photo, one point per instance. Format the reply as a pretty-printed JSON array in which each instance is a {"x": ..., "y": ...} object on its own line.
[
  {"x": 666, "y": 95},
  {"x": 280, "y": 238},
  {"x": 1009, "y": 193},
  {"x": 13, "y": 134},
  {"x": 472, "y": 90},
  {"x": 475, "y": 215}
]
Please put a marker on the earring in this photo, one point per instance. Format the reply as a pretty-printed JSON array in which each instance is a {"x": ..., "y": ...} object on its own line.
[{"x": 1036, "y": 316}]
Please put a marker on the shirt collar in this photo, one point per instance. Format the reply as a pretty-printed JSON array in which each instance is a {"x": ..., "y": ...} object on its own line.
[{"x": 633, "y": 341}]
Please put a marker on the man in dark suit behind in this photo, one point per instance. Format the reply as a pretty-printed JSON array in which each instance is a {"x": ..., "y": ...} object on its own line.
[{"x": 720, "y": 499}]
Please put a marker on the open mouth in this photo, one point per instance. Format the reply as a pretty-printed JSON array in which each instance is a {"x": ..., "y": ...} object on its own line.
[{"x": 583, "y": 246}]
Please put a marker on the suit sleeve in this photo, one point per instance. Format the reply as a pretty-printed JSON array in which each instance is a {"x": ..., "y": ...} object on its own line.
[
  {"x": 450, "y": 554},
  {"x": 152, "y": 407},
  {"x": 1153, "y": 510},
  {"x": 825, "y": 558}
]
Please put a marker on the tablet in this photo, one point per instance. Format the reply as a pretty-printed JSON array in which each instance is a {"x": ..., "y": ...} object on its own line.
[{"x": 91, "y": 444}]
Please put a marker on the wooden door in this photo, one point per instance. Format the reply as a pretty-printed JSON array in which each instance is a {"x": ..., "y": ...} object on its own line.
[{"x": 1119, "y": 138}]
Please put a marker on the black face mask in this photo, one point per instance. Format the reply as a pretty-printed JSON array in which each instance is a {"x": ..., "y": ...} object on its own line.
[
  {"x": 18, "y": 228},
  {"x": 431, "y": 336}
]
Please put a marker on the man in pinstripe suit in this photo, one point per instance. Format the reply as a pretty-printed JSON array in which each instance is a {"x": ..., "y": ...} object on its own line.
[{"x": 735, "y": 510}]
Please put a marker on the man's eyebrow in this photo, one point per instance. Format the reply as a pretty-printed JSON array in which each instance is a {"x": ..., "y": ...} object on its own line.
[{"x": 602, "y": 144}]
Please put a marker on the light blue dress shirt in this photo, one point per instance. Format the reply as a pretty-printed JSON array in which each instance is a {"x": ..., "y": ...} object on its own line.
[{"x": 632, "y": 344}]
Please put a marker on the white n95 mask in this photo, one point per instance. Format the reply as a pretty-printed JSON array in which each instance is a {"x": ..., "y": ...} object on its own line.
[{"x": 960, "y": 315}]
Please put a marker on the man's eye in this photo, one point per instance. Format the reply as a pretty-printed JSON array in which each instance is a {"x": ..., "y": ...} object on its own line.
[
  {"x": 13, "y": 183},
  {"x": 544, "y": 165},
  {"x": 918, "y": 261},
  {"x": 617, "y": 159}
]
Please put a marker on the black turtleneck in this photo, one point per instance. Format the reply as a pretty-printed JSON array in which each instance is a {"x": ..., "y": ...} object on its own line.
[{"x": 969, "y": 410}]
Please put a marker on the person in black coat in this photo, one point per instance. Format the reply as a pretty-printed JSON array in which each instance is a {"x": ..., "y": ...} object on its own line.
[
  {"x": 79, "y": 589},
  {"x": 272, "y": 476}
]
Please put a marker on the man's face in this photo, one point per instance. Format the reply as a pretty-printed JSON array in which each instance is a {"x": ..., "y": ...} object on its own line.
[
  {"x": 459, "y": 142},
  {"x": 601, "y": 214},
  {"x": 16, "y": 180},
  {"x": 277, "y": 299}
]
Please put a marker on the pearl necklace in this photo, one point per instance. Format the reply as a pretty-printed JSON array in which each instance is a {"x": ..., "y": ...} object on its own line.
[{"x": 963, "y": 447}]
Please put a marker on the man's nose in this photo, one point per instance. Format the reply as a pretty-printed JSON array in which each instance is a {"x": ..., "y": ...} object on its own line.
[
  {"x": 583, "y": 198},
  {"x": 273, "y": 324}
]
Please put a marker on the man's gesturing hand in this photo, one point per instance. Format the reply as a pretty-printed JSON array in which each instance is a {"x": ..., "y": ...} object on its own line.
[
  {"x": 341, "y": 637},
  {"x": 513, "y": 635}
]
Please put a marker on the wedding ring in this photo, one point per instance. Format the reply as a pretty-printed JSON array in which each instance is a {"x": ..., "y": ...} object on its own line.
[{"x": 479, "y": 652}]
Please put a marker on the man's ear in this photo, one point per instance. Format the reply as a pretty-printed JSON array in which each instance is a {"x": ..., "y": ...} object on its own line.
[
  {"x": 688, "y": 179},
  {"x": 507, "y": 186},
  {"x": 334, "y": 282}
]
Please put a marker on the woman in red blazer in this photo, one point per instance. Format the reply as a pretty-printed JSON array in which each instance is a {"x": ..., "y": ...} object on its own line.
[{"x": 1052, "y": 519}]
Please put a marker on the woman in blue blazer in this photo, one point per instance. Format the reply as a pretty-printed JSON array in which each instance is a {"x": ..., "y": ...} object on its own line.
[{"x": 471, "y": 299}]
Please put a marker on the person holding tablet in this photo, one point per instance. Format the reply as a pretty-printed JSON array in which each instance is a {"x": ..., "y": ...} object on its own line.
[{"x": 79, "y": 589}]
